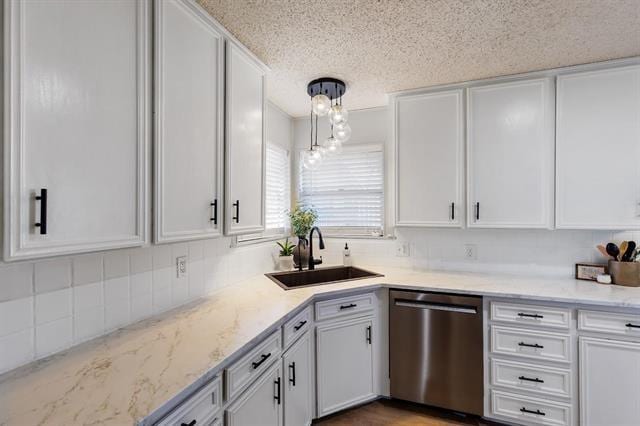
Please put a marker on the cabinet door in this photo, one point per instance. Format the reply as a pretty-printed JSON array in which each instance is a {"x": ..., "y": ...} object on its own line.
[
  {"x": 510, "y": 155},
  {"x": 298, "y": 367},
  {"x": 598, "y": 150},
  {"x": 609, "y": 382},
  {"x": 189, "y": 122},
  {"x": 245, "y": 153},
  {"x": 261, "y": 404},
  {"x": 429, "y": 154},
  {"x": 77, "y": 126},
  {"x": 345, "y": 364}
]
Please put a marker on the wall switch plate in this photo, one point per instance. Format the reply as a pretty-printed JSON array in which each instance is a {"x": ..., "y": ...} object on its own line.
[
  {"x": 470, "y": 251},
  {"x": 181, "y": 266},
  {"x": 402, "y": 249}
]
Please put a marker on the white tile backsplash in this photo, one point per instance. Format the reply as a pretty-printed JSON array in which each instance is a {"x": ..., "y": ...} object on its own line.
[
  {"x": 16, "y": 315},
  {"x": 53, "y": 306},
  {"x": 110, "y": 290}
]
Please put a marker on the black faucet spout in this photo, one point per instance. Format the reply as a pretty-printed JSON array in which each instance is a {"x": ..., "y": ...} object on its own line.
[{"x": 312, "y": 261}]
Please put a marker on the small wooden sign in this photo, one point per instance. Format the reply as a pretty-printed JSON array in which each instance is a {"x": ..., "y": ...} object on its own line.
[{"x": 589, "y": 271}]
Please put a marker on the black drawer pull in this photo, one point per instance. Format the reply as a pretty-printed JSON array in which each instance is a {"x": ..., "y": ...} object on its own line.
[
  {"x": 521, "y": 314},
  {"x": 237, "y": 216},
  {"x": 351, "y": 305},
  {"x": 214, "y": 219},
  {"x": 262, "y": 359},
  {"x": 299, "y": 326},
  {"x": 43, "y": 211},
  {"x": 529, "y": 379},
  {"x": 292, "y": 379},
  {"x": 277, "y": 395},
  {"x": 478, "y": 211},
  {"x": 453, "y": 211},
  {"x": 531, "y": 345},
  {"x": 537, "y": 412},
  {"x": 369, "y": 334},
  {"x": 632, "y": 325},
  {"x": 191, "y": 423}
]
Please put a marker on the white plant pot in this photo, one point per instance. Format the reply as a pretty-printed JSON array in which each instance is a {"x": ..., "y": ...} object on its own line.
[{"x": 285, "y": 263}]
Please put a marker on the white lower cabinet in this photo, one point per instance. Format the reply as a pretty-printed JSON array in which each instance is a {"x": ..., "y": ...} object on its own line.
[
  {"x": 298, "y": 383},
  {"x": 261, "y": 404},
  {"x": 609, "y": 382},
  {"x": 344, "y": 364}
]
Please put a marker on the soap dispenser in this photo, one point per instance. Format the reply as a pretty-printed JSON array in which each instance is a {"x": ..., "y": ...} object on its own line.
[{"x": 346, "y": 255}]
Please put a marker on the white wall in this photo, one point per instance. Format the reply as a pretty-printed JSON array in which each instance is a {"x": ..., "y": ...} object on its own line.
[
  {"x": 500, "y": 250},
  {"x": 50, "y": 305}
]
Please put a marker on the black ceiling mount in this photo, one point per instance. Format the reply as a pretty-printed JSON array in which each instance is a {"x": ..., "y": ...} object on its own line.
[{"x": 332, "y": 87}]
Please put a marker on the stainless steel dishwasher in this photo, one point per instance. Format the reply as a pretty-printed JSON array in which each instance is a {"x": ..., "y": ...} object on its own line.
[{"x": 435, "y": 349}]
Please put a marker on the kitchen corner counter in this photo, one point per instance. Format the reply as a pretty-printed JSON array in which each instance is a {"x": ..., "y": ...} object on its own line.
[{"x": 124, "y": 377}]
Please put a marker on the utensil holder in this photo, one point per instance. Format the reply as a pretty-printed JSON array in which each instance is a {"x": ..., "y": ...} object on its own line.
[{"x": 625, "y": 273}]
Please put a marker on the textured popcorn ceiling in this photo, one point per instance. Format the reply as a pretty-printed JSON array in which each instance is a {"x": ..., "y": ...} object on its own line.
[{"x": 383, "y": 46}]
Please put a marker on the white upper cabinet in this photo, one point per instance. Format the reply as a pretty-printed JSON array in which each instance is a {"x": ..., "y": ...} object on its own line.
[
  {"x": 77, "y": 126},
  {"x": 189, "y": 101},
  {"x": 430, "y": 159},
  {"x": 510, "y": 149},
  {"x": 245, "y": 148},
  {"x": 598, "y": 150}
]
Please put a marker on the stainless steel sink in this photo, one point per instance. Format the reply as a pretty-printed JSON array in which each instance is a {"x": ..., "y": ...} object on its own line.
[{"x": 297, "y": 279}]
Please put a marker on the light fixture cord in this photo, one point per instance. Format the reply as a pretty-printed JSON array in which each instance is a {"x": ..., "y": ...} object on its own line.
[
  {"x": 311, "y": 127},
  {"x": 316, "y": 144}
]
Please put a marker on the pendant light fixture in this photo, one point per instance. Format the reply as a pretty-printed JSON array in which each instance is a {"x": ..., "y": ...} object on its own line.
[{"x": 326, "y": 99}]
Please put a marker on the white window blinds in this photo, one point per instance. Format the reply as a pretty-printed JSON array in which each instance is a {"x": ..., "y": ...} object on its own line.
[
  {"x": 278, "y": 185},
  {"x": 347, "y": 191}
]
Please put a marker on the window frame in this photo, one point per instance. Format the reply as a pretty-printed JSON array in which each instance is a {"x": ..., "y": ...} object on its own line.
[{"x": 352, "y": 231}]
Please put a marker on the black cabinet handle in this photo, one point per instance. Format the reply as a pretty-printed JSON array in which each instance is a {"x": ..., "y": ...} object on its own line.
[
  {"x": 529, "y": 379},
  {"x": 43, "y": 211},
  {"x": 292, "y": 379},
  {"x": 632, "y": 325},
  {"x": 214, "y": 219},
  {"x": 351, "y": 305},
  {"x": 453, "y": 211},
  {"x": 277, "y": 395},
  {"x": 263, "y": 358},
  {"x": 369, "y": 334},
  {"x": 299, "y": 326},
  {"x": 191, "y": 423},
  {"x": 521, "y": 314},
  {"x": 537, "y": 412},
  {"x": 478, "y": 211},
  {"x": 529, "y": 345},
  {"x": 237, "y": 206}
]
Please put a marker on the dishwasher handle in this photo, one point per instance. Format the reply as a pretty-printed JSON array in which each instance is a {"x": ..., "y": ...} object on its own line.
[{"x": 462, "y": 309}]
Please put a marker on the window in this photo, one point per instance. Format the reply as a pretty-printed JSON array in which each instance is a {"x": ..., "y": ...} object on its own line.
[
  {"x": 347, "y": 191},
  {"x": 277, "y": 194}
]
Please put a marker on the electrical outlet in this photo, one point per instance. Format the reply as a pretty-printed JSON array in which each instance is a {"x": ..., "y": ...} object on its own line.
[
  {"x": 402, "y": 249},
  {"x": 470, "y": 252},
  {"x": 181, "y": 266}
]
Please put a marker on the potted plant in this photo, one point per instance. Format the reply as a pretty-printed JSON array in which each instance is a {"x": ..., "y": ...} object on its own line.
[
  {"x": 302, "y": 220},
  {"x": 285, "y": 260}
]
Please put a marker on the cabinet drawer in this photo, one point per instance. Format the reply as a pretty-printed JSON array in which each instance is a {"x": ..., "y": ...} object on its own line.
[
  {"x": 524, "y": 409},
  {"x": 203, "y": 407},
  {"x": 531, "y": 314},
  {"x": 530, "y": 344},
  {"x": 242, "y": 372},
  {"x": 345, "y": 306},
  {"x": 531, "y": 378},
  {"x": 296, "y": 326},
  {"x": 607, "y": 322}
]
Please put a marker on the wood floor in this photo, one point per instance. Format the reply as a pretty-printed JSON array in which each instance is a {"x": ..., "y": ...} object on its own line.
[{"x": 400, "y": 413}]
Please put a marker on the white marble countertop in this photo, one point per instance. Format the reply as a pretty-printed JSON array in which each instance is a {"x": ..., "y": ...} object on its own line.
[{"x": 121, "y": 378}]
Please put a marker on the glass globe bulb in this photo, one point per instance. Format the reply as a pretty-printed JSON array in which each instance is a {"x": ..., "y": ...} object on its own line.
[
  {"x": 332, "y": 145},
  {"x": 320, "y": 104},
  {"x": 342, "y": 132},
  {"x": 338, "y": 114},
  {"x": 311, "y": 159}
]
